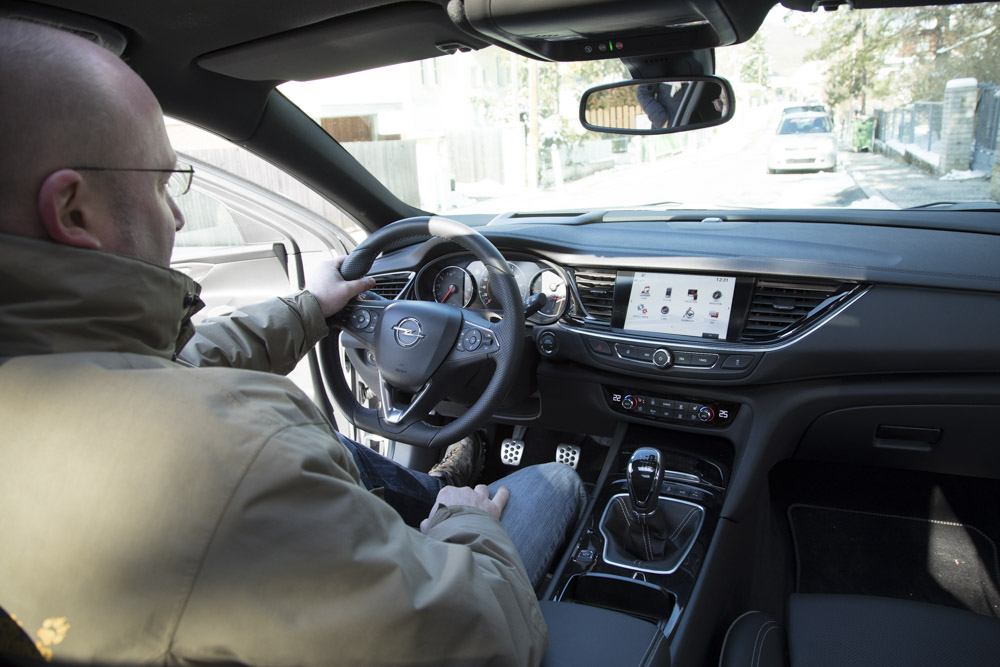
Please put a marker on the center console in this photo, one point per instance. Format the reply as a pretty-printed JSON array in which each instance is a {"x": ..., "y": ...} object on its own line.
[{"x": 637, "y": 556}]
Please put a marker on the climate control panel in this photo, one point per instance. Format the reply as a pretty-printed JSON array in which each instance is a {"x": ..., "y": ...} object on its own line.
[{"x": 673, "y": 409}]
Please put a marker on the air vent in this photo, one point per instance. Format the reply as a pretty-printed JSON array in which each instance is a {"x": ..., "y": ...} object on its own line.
[
  {"x": 596, "y": 288},
  {"x": 777, "y": 309},
  {"x": 392, "y": 285}
]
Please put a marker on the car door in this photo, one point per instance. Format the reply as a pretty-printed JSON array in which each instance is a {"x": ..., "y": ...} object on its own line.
[{"x": 245, "y": 244}]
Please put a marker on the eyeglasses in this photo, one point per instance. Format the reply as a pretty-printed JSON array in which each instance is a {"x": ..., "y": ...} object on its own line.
[{"x": 178, "y": 184}]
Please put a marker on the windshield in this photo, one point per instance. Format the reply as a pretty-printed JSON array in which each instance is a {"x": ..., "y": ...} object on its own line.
[{"x": 895, "y": 108}]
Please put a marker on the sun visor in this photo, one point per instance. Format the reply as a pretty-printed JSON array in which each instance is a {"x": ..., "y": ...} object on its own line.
[
  {"x": 571, "y": 30},
  {"x": 363, "y": 40},
  {"x": 109, "y": 36}
]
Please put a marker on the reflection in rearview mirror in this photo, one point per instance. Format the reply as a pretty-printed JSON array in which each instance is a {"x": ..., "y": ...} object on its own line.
[{"x": 657, "y": 106}]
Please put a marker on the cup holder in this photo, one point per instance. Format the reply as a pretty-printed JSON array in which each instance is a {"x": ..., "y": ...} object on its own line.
[{"x": 628, "y": 596}]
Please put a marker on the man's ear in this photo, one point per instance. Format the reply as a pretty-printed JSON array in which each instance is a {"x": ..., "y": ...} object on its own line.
[{"x": 69, "y": 211}]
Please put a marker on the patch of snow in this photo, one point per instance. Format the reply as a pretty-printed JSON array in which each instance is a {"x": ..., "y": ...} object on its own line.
[
  {"x": 896, "y": 146},
  {"x": 962, "y": 83},
  {"x": 874, "y": 202},
  {"x": 971, "y": 175},
  {"x": 924, "y": 155}
]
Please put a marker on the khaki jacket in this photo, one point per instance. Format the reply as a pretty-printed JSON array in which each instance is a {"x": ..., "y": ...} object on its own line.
[{"x": 154, "y": 512}]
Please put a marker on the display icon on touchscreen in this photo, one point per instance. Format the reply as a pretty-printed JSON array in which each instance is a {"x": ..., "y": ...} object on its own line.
[
  {"x": 689, "y": 314},
  {"x": 716, "y": 295},
  {"x": 665, "y": 310},
  {"x": 642, "y": 309},
  {"x": 670, "y": 291},
  {"x": 645, "y": 291},
  {"x": 693, "y": 294},
  {"x": 714, "y": 314}
]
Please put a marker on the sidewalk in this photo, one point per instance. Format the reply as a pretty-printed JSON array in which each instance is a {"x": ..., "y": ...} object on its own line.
[{"x": 881, "y": 177}]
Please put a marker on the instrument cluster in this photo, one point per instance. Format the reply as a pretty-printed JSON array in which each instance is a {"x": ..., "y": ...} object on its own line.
[{"x": 463, "y": 281}]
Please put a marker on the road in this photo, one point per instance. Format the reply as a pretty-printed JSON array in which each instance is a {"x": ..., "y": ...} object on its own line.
[{"x": 727, "y": 171}]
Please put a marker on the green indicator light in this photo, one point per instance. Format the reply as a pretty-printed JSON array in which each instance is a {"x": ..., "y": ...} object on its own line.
[{"x": 611, "y": 46}]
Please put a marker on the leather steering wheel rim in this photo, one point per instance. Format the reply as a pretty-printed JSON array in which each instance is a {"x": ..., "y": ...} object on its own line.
[{"x": 509, "y": 332}]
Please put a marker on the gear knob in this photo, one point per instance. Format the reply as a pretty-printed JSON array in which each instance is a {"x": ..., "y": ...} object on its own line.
[{"x": 644, "y": 476}]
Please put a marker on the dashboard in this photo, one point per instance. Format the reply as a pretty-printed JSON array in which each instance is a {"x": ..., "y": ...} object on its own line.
[{"x": 722, "y": 327}]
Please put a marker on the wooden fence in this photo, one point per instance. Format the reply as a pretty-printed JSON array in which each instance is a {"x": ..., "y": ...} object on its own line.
[{"x": 621, "y": 116}]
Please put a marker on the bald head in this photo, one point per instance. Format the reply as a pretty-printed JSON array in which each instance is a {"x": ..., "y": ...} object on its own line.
[{"x": 70, "y": 103}]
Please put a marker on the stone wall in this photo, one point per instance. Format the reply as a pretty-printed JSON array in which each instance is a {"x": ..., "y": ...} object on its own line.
[{"x": 959, "y": 125}]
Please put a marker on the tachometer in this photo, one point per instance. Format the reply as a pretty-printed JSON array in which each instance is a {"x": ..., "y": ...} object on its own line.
[{"x": 454, "y": 285}]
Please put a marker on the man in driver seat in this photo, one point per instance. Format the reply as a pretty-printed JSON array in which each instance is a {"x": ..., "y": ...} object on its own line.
[{"x": 168, "y": 496}]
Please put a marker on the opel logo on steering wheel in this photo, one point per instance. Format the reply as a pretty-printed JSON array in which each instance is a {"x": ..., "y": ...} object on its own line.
[{"x": 408, "y": 332}]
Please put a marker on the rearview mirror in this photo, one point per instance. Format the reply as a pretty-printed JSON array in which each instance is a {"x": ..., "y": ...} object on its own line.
[{"x": 657, "y": 106}]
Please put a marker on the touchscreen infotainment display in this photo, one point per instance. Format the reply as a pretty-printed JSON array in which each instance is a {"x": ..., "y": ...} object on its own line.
[{"x": 680, "y": 304}]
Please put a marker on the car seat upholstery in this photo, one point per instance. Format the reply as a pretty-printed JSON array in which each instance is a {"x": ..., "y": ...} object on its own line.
[{"x": 862, "y": 631}]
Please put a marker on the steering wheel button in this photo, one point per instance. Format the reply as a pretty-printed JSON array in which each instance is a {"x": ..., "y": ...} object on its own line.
[
  {"x": 360, "y": 319},
  {"x": 472, "y": 339}
]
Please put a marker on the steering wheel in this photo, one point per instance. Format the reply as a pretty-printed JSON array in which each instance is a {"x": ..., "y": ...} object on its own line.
[{"x": 421, "y": 348}]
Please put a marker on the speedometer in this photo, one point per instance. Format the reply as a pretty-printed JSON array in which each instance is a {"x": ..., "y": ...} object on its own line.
[
  {"x": 552, "y": 285},
  {"x": 454, "y": 285}
]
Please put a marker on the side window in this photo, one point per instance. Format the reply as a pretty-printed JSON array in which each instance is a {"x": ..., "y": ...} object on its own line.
[
  {"x": 207, "y": 223},
  {"x": 235, "y": 167}
]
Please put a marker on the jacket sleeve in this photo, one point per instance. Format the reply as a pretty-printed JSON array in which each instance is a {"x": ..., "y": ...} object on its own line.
[
  {"x": 307, "y": 567},
  {"x": 270, "y": 336},
  {"x": 647, "y": 95}
]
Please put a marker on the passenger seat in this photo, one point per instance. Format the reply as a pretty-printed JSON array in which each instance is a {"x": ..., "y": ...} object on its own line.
[{"x": 861, "y": 631}]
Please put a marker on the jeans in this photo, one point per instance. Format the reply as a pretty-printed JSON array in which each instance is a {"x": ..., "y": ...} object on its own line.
[{"x": 545, "y": 502}]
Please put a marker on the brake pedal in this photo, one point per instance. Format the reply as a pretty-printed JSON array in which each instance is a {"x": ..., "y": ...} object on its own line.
[
  {"x": 568, "y": 454},
  {"x": 511, "y": 451}
]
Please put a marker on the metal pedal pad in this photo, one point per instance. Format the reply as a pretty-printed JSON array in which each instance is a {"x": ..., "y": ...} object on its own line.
[
  {"x": 568, "y": 454},
  {"x": 511, "y": 451}
]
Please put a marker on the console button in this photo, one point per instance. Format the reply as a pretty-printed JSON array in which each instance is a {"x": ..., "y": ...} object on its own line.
[
  {"x": 661, "y": 358},
  {"x": 547, "y": 343},
  {"x": 629, "y": 402},
  {"x": 704, "y": 360},
  {"x": 636, "y": 352},
  {"x": 599, "y": 346},
  {"x": 737, "y": 361},
  {"x": 682, "y": 358}
]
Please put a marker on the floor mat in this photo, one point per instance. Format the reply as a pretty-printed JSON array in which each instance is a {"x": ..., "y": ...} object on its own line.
[{"x": 855, "y": 552}]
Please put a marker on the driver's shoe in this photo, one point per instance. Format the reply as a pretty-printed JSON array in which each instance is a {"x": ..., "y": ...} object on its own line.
[{"x": 462, "y": 463}]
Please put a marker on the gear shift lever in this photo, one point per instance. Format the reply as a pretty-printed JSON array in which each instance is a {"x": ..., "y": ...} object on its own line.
[
  {"x": 639, "y": 527},
  {"x": 644, "y": 476}
]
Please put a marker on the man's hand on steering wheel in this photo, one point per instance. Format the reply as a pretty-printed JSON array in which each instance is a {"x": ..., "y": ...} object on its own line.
[
  {"x": 422, "y": 349},
  {"x": 325, "y": 283}
]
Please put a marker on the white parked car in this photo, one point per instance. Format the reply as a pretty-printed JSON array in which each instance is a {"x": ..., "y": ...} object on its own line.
[{"x": 804, "y": 142}]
